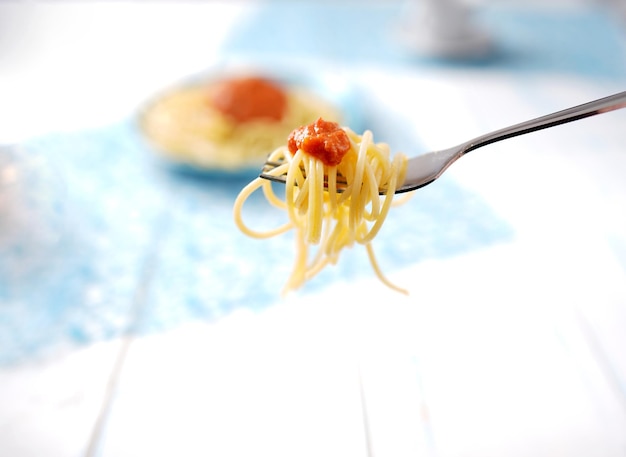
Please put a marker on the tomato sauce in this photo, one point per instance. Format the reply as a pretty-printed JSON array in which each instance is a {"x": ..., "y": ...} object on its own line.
[
  {"x": 323, "y": 140},
  {"x": 249, "y": 98}
]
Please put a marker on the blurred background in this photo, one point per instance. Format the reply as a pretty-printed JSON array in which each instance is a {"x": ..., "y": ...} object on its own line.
[{"x": 135, "y": 319}]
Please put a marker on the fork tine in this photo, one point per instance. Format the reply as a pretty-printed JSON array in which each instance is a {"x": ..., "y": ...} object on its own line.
[{"x": 270, "y": 165}]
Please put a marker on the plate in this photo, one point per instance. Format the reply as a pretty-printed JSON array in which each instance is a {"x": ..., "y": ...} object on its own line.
[{"x": 176, "y": 127}]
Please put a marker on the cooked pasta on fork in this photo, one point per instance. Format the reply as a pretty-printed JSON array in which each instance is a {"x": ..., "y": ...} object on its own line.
[{"x": 332, "y": 200}]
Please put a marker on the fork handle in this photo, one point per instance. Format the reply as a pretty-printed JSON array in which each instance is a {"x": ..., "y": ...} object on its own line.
[{"x": 602, "y": 105}]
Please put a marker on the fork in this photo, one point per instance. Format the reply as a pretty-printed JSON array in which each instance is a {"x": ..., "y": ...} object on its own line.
[{"x": 426, "y": 168}]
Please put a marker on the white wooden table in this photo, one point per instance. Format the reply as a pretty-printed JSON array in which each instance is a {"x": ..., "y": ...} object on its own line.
[{"x": 510, "y": 343}]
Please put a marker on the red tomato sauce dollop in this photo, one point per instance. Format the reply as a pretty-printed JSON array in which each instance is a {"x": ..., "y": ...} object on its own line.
[
  {"x": 250, "y": 98},
  {"x": 324, "y": 140}
]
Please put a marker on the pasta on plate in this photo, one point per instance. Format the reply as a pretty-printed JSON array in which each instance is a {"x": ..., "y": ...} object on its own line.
[
  {"x": 331, "y": 195},
  {"x": 230, "y": 123}
]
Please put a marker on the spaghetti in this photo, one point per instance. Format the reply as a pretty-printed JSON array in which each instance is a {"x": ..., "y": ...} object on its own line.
[
  {"x": 231, "y": 123},
  {"x": 328, "y": 218}
]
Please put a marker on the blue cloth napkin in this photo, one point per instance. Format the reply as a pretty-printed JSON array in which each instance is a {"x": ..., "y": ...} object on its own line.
[{"x": 588, "y": 42}]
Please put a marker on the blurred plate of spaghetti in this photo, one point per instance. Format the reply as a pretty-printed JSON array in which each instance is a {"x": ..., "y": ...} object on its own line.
[{"x": 230, "y": 118}]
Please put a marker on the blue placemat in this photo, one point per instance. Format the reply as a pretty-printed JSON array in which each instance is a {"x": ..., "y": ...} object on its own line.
[{"x": 112, "y": 241}]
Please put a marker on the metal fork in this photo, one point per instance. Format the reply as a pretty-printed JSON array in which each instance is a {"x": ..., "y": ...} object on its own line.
[{"x": 426, "y": 168}]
